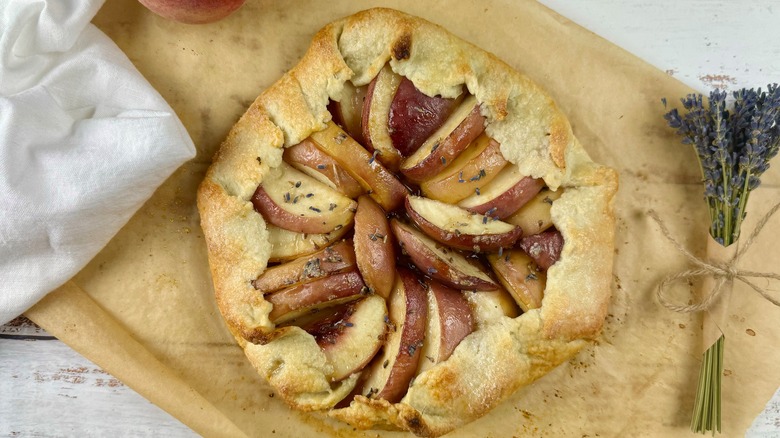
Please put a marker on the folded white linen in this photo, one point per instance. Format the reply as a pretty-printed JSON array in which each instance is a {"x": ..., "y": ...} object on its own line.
[{"x": 84, "y": 141}]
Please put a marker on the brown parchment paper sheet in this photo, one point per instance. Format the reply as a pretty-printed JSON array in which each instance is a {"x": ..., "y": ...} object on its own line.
[{"x": 144, "y": 309}]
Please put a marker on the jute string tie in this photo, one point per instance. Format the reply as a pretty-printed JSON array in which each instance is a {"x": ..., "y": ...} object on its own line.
[{"x": 722, "y": 272}]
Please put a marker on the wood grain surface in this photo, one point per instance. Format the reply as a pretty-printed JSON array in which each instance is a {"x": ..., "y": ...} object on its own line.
[
  {"x": 50, "y": 390},
  {"x": 47, "y": 389}
]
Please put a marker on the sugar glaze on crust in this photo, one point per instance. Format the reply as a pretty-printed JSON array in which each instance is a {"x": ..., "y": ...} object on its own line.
[{"x": 504, "y": 353}]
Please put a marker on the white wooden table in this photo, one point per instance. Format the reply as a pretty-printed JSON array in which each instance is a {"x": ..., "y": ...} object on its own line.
[{"x": 47, "y": 389}]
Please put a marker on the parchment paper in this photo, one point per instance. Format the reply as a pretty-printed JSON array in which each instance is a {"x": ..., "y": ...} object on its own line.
[{"x": 144, "y": 309}]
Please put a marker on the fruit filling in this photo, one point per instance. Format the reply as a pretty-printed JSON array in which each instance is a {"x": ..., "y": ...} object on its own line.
[{"x": 382, "y": 224}]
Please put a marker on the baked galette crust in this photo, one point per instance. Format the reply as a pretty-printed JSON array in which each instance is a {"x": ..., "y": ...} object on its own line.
[{"x": 502, "y": 354}]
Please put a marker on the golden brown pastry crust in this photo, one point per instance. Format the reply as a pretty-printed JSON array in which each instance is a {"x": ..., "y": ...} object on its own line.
[{"x": 503, "y": 354}]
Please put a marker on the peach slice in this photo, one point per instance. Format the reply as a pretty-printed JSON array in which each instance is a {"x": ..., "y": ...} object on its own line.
[
  {"x": 288, "y": 245},
  {"x": 390, "y": 373},
  {"x": 443, "y": 146},
  {"x": 374, "y": 247},
  {"x": 458, "y": 228},
  {"x": 544, "y": 248},
  {"x": 382, "y": 184},
  {"x": 333, "y": 259},
  {"x": 295, "y": 201},
  {"x": 352, "y": 336},
  {"x": 295, "y": 301},
  {"x": 440, "y": 262},
  {"x": 469, "y": 173},
  {"x": 507, "y": 193},
  {"x": 309, "y": 159},
  {"x": 414, "y": 116},
  {"x": 534, "y": 217},
  {"x": 449, "y": 321},
  {"x": 376, "y": 112},
  {"x": 348, "y": 112},
  {"x": 521, "y": 276}
]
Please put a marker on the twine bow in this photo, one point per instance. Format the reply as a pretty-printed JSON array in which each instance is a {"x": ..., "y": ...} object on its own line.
[{"x": 722, "y": 272}]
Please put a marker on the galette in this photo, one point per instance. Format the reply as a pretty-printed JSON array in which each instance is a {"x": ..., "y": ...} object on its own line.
[{"x": 403, "y": 230}]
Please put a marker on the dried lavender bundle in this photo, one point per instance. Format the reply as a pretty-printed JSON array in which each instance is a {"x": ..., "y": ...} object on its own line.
[{"x": 733, "y": 148}]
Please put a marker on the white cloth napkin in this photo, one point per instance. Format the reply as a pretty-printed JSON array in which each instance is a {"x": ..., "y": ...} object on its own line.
[{"x": 84, "y": 141}]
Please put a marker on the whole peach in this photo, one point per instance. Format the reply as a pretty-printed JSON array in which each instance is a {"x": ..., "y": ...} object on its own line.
[{"x": 193, "y": 11}]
